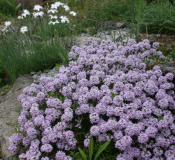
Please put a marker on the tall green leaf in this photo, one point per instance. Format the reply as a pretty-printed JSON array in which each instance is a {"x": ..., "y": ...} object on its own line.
[
  {"x": 101, "y": 149},
  {"x": 82, "y": 153},
  {"x": 91, "y": 148}
]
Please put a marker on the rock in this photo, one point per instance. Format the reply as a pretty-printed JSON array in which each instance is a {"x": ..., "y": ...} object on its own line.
[
  {"x": 108, "y": 25},
  {"x": 168, "y": 67},
  {"x": 1, "y": 27},
  {"x": 8, "y": 106},
  {"x": 121, "y": 24},
  {"x": 82, "y": 40}
]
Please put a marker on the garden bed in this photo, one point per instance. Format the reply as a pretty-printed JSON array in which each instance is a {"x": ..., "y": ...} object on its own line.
[{"x": 108, "y": 93}]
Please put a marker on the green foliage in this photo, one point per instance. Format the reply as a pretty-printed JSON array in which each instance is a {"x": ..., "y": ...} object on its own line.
[
  {"x": 137, "y": 7},
  {"x": 106, "y": 11},
  {"x": 1, "y": 76},
  {"x": 101, "y": 149},
  {"x": 91, "y": 150},
  {"x": 82, "y": 153},
  {"x": 9, "y": 124},
  {"x": 17, "y": 129},
  {"x": 172, "y": 54},
  {"x": 28, "y": 4},
  {"x": 13, "y": 4},
  {"x": 18, "y": 110},
  {"x": 91, "y": 14},
  {"x": 22, "y": 54},
  {"x": 159, "y": 18},
  {"x": 3, "y": 17},
  {"x": 9, "y": 7},
  {"x": 160, "y": 118},
  {"x": 42, "y": 47}
]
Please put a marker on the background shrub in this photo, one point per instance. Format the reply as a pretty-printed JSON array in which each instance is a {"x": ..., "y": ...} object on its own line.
[{"x": 158, "y": 17}]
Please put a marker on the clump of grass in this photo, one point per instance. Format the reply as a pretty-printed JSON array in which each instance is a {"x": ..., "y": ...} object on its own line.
[{"x": 22, "y": 55}]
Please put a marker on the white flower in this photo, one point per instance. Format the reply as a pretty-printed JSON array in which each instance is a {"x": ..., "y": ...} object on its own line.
[
  {"x": 8, "y": 23},
  {"x": 4, "y": 29},
  {"x": 26, "y": 12},
  {"x": 52, "y": 11},
  {"x": 20, "y": 17},
  {"x": 73, "y": 13},
  {"x": 23, "y": 29},
  {"x": 38, "y": 14},
  {"x": 53, "y": 6},
  {"x": 53, "y": 17},
  {"x": 64, "y": 19},
  {"x": 23, "y": 15},
  {"x": 59, "y": 4},
  {"x": 56, "y": 5},
  {"x": 66, "y": 8},
  {"x": 53, "y": 23},
  {"x": 37, "y": 8}
]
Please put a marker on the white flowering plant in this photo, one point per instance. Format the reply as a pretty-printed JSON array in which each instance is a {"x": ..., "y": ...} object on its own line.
[
  {"x": 40, "y": 38},
  {"x": 53, "y": 19}
]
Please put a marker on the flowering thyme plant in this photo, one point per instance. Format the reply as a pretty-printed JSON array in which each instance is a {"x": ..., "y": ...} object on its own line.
[{"x": 105, "y": 92}]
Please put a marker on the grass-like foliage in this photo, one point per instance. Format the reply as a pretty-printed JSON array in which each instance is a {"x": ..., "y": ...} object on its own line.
[
  {"x": 22, "y": 55},
  {"x": 9, "y": 7},
  {"x": 91, "y": 150}
]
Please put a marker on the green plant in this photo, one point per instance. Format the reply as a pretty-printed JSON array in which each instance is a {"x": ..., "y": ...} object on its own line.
[
  {"x": 91, "y": 14},
  {"x": 9, "y": 7},
  {"x": 137, "y": 7},
  {"x": 172, "y": 54},
  {"x": 41, "y": 46},
  {"x": 28, "y": 4},
  {"x": 91, "y": 150},
  {"x": 107, "y": 11},
  {"x": 3, "y": 17},
  {"x": 158, "y": 17},
  {"x": 14, "y": 5},
  {"x": 30, "y": 55}
]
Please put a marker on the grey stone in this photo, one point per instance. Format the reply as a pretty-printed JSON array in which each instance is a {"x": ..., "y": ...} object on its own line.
[
  {"x": 111, "y": 25},
  {"x": 168, "y": 67},
  {"x": 82, "y": 40},
  {"x": 121, "y": 24},
  {"x": 8, "y": 106}
]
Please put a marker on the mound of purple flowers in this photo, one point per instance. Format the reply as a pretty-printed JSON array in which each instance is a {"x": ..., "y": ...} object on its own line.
[{"x": 109, "y": 84}]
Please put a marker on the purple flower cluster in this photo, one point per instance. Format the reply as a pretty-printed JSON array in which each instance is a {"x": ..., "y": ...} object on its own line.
[{"x": 108, "y": 82}]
